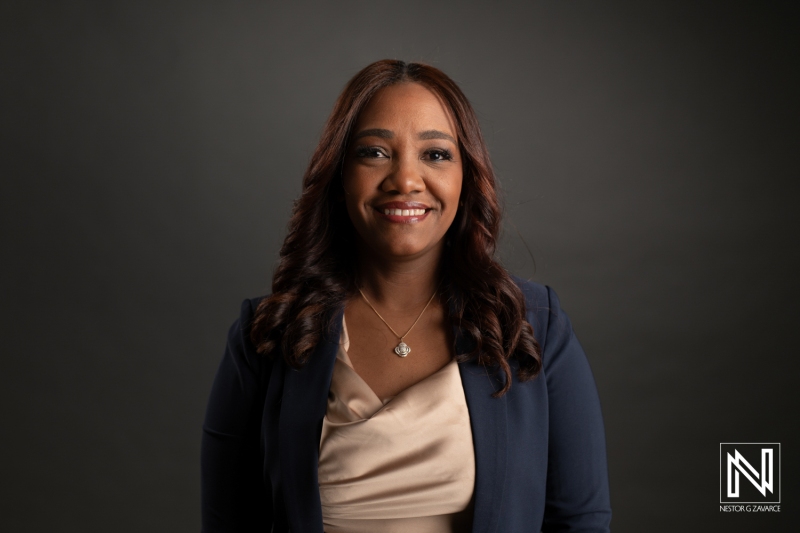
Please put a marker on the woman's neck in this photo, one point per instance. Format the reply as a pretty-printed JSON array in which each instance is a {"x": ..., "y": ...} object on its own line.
[{"x": 399, "y": 285}]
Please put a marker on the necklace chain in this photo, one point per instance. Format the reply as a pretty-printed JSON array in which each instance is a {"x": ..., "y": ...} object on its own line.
[{"x": 402, "y": 349}]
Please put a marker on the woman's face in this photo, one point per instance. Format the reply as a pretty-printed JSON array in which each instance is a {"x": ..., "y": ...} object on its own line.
[{"x": 402, "y": 173}]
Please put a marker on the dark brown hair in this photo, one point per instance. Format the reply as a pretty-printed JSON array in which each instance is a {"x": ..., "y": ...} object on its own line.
[{"x": 317, "y": 273}]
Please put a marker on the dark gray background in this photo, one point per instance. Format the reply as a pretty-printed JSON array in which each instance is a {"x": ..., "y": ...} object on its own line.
[{"x": 648, "y": 155}]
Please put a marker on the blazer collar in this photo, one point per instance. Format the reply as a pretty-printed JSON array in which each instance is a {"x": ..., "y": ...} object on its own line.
[{"x": 303, "y": 406}]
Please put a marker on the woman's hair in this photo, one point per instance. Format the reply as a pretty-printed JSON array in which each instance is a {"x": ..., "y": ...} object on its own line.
[{"x": 317, "y": 269}]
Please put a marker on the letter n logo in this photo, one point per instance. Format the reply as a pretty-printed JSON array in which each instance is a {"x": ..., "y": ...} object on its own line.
[{"x": 749, "y": 472}]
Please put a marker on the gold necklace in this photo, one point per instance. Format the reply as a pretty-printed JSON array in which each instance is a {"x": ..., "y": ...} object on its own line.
[{"x": 402, "y": 349}]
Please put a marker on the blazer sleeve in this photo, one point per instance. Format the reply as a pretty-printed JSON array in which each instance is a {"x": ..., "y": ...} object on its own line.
[
  {"x": 234, "y": 495},
  {"x": 577, "y": 497}
]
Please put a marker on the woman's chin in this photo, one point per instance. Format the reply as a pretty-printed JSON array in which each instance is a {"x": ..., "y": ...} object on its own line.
[{"x": 404, "y": 251}]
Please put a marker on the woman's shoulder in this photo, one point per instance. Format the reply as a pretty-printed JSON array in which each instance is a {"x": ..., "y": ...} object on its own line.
[
  {"x": 535, "y": 293},
  {"x": 250, "y": 305},
  {"x": 240, "y": 350},
  {"x": 542, "y": 307},
  {"x": 247, "y": 311},
  {"x": 539, "y": 298}
]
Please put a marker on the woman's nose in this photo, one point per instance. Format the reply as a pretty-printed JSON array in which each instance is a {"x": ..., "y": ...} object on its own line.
[{"x": 405, "y": 177}]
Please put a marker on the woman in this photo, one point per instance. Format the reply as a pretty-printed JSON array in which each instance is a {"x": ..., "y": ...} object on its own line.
[{"x": 398, "y": 378}]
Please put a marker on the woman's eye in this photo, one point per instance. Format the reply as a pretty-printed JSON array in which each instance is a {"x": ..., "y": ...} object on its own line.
[
  {"x": 369, "y": 152},
  {"x": 439, "y": 155}
]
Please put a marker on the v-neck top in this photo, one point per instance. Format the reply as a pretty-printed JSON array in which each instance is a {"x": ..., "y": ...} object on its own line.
[{"x": 398, "y": 464}]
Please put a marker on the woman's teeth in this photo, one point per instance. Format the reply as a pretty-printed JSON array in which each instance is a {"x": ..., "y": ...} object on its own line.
[{"x": 404, "y": 212}]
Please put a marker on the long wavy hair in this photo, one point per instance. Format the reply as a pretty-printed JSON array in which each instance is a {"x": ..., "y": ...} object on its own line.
[{"x": 317, "y": 273}]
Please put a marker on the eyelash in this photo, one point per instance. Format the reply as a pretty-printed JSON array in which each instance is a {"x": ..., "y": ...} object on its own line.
[
  {"x": 446, "y": 154},
  {"x": 371, "y": 151},
  {"x": 367, "y": 151}
]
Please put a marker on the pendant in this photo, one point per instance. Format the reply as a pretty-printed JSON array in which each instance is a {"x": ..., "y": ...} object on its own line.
[{"x": 402, "y": 349}]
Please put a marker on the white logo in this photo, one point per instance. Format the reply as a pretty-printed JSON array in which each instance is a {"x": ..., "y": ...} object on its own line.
[{"x": 740, "y": 460}]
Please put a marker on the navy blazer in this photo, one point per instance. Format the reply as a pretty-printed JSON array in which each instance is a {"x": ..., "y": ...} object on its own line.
[{"x": 540, "y": 458}]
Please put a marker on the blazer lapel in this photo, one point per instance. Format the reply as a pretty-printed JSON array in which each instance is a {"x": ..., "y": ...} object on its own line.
[
  {"x": 488, "y": 418},
  {"x": 303, "y": 406}
]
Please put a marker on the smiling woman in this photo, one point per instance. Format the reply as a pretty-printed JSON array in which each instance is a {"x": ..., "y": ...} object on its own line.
[{"x": 372, "y": 390}]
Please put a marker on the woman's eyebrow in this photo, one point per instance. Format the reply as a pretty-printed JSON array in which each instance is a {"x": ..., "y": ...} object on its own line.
[
  {"x": 388, "y": 134},
  {"x": 375, "y": 132},
  {"x": 436, "y": 134}
]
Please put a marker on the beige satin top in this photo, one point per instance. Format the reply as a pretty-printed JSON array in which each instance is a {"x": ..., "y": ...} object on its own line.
[{"x": 400, "y": 464}]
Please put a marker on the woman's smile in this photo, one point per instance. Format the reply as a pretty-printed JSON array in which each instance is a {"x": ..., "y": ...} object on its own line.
[{"x": 403, "y": 212}]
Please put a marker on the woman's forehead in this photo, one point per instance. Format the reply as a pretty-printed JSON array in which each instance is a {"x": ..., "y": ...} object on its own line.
[{"x": 407, "y": 105}]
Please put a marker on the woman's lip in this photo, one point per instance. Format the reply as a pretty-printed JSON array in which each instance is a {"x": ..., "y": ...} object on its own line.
[
  {"x": 396, "y": 215},
  {"x": 403, "y": 212},
  {"x": 402, "y": 205}
]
